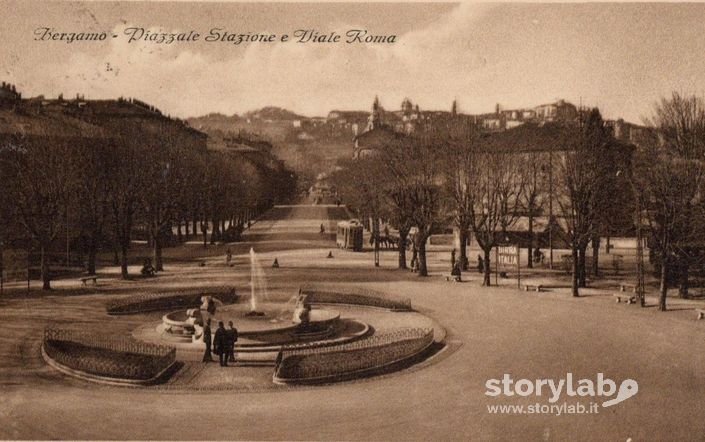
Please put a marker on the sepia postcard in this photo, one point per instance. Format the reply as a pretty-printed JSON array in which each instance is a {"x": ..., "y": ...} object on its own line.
[{"x": 352, "y": 221}]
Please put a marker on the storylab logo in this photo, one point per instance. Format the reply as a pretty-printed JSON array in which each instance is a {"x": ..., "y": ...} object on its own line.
[{"x": 602, "y": 391}]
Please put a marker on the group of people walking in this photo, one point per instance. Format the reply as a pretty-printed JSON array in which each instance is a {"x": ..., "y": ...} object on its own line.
[{"x": 222, "y": 344}]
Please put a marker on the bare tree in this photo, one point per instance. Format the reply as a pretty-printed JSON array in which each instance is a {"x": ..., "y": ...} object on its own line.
[
  {"x": 41, "y": 172},
  {"x": 671, "y": 174},
  {"x": 585, "y": 173},
  {"x": 496, "y": 200},
  {"x": 126, "y": 182},
  {"x": 535, "y": 187},
  {"x": 460, "y": 169},
  {"x": 92, "y": 176},
  {"x": 415, "y": 164}
]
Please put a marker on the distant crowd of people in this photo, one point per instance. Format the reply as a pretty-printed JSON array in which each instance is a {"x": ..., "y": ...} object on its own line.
[{"x": 222, "y": 344}]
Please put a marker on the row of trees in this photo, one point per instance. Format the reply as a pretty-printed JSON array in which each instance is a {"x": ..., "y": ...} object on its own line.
[
  {"x": 593, "y": 184},
  {"x": 154, "y": 177}
]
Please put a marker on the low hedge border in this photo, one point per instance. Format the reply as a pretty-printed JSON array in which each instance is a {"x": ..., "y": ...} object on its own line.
[
  {"x": 190, "y": 298},
  {"x": 107, "y": 357},
  {"x": 357, "y": 297},
  {"x": 353, "y": 359}
]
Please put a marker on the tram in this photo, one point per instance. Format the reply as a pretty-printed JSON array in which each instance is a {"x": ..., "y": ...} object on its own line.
[{"x": 349, "y": 235}]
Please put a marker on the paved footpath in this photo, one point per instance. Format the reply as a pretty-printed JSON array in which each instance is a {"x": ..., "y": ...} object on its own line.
[{"x": 490, "y": 332}]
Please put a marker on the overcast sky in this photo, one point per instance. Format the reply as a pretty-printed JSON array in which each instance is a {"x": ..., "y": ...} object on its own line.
[{"x": 620, "y": 57}]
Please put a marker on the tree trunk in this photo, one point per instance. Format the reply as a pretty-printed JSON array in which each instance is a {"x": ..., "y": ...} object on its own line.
[
  {"x": 215, "y": 232},
  {"x": 595, "y": 256},
  {"x": 423, "y": 269},
  {"x": 46, "y": 277},
  {"x": 402, "y": 249},
  {"x": 204, "y": 231},
  {"x": 194, "y": 226},
  {"x": 158, "y": 262},
  {"x": 664, "y": 285},
  {"x": 375, "y": 233},
  {"x": 530, "y": 249},
  {"x": 123, "y": 260},
  {"x": 186, "y": 231},
  {"x": 574, "y": 282},
  {"x": 581, "y": 266},
  {"x": 463, "y": 234},
  {"x": 683, "y": 279},
  {"x": 116, "y": 247},
  {"x": 92, "y": 248},
  {"x": 179, "y": 234},
  {"x": 486, "y": 280}
]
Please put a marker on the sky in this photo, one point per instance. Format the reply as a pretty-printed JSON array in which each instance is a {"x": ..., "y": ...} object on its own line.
[{"x": 619, "y": 57}]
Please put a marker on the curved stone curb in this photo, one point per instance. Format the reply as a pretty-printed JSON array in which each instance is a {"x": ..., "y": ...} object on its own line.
[{"x": 101, "y": 379}]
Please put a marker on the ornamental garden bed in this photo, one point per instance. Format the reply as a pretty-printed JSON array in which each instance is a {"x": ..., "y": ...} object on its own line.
[
  {"x": 370, "y": 299},
  {"x": 351, "y": 360},
  {"x": 191, "y": 298},
  {"x": 114, "y": 358}
]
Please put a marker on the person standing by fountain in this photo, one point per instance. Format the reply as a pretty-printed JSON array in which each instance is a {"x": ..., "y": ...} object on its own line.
[
  {"x": 232, "y": 339},
  {"x": 207, "y": 357},
  {"x": 220, "y": 344}
]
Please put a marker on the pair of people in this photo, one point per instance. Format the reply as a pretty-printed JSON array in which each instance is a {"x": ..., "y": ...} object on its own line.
[{"x": 223, "y": 343}]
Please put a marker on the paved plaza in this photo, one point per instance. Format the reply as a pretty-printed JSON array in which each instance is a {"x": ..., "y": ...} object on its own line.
[{"x": 488, "y": 332}]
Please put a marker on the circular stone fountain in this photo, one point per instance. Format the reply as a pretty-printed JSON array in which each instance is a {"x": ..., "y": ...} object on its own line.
[{"x": 259, "y": 323}]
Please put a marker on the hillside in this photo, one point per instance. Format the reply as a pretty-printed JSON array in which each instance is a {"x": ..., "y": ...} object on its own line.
[{"x": 307, "y": 145}]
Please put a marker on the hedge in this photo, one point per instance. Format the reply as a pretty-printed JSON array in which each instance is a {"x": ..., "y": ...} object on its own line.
[
  {"x": 363, "y": 356},
  {"x": 369, "y": 298},
  {"x": 168, "y": 301},
  {"x": 107, "y": 356}
]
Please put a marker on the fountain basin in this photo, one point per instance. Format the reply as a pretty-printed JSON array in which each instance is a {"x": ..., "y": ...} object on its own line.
[{"x": 177, "y": 326}]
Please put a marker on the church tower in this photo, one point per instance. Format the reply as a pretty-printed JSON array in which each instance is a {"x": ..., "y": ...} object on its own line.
[{"x": 375, "y": 119}]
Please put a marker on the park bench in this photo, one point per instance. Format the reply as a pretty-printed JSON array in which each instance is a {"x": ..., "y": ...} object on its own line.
[
  {"x": 624, "y": 287},
  {"x": 85, "y": 279},
  {"x": 454, "y": 278},
  {"x": 701, "y": 313},
  {"x": 629, "y": 299},
  {"x": 533, "y": 287}
]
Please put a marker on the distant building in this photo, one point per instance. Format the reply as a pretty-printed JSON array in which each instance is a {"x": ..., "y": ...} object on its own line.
[
  {"x": 629, "y": 132},
  {"x": 9, "y": 95},
  {"x": 561, "y": 110}
]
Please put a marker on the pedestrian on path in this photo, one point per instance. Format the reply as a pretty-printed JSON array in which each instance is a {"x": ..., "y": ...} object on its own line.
[
  {"x": 208, "y": 341},
  {"x": 232, "y": 339},
  {"x": 220, "y": 344}
]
